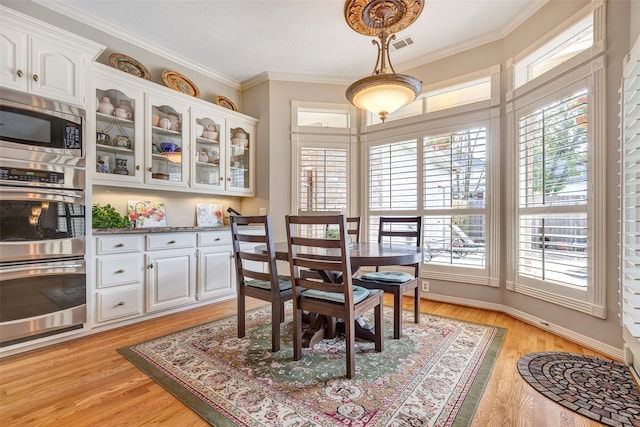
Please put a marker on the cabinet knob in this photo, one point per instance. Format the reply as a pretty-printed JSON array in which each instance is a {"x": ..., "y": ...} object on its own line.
[
  {"x": 137, "y": 167},
  {"x": 216, "y": 239},
  {"x": 19, "y": 73},
  {"x": 150, "y": 265},
  {"x": 221, "y": 178},
  {"x": 121, "y": 303},
  {"x": 119, "y": 245},
  {"x": 35, "y": 78},
  {"x": 119, "y": 271},
  {"x": 150, "y": 169},
  {"x": 171, "y": 242}
]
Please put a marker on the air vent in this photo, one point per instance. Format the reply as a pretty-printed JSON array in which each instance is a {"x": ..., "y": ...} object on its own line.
[{"x": 403, "y": 42}]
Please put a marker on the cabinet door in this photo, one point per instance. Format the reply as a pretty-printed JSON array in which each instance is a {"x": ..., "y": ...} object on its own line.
[
  {"x": 208, "y": 159},
  {"x": 171, "y": 278},
  {"x": 56, "y": 71},
  {"x": 167, "y": 142},
  {"x": 118, "y": 140},
  {"x": 215, "y": 273},
  {"x": 13, "y": 59},
  {"x": 240, "y": 157}
]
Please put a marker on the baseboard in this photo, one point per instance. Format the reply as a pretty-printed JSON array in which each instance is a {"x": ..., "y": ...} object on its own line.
[{"x": 600, "y": 347}]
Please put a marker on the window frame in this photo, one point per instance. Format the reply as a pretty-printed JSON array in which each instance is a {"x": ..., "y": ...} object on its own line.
[
  {"x": 484, "y": 114},
  {"x": 585, "y": 70},
  {"x": 324, "y": 138}
]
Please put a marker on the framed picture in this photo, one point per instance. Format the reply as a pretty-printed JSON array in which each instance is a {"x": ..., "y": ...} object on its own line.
[
  {"x": 145, "y": 214},
  {"x": 208, "y": 215}
]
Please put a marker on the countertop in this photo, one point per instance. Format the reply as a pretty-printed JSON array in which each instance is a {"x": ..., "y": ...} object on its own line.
[{"x": 107, "y": 231}]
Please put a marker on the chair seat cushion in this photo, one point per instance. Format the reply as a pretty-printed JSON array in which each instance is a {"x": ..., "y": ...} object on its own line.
[
  {"x": 388, "y": 276},
  {"x": 283, "y": 281},
  {"x": 359, "y": 293}
]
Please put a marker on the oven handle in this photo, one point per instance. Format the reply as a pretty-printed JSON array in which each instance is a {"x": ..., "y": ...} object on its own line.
[
  {"x": 15, "y": 271},
  {"x": 41, "y": 193}
]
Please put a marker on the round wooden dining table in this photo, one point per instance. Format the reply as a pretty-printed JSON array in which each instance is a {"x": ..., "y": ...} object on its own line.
[{"x": 363, "y": 254}]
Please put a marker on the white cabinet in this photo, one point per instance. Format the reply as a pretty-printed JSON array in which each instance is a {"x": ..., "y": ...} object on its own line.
[
  {"x": 119, "y": 126},
  {"x": 215, "y": 265},
  {"x": 170, "y": 141},
  {"x": 167, "y": 144},
  {"x": 209, "y": 155},
  {"x": 43, "y": 60},
  {"x": 240, "y": 157},
  {"x": 119, "y": 277},
  {"x": 170, "y": 273}
]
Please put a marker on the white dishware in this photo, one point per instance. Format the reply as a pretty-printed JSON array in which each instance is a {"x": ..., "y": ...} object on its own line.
[
  {"x": 199, "y": 130},
  {"x": 164, "y": 123},
  {"x": 122, "y": 113},
  {"x": 105, "y": 106},
  {"x": 209, "y": 134}
]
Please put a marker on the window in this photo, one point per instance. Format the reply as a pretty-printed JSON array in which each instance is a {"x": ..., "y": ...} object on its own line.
[
  {"x": 561, "y": 48},
  {"x": 393, "y": 173},
  {"x": 440, "y": 169},
  {"x": 458, "y": 92},
  {"x": 555, "y": 172},
  {"x": 552, "y": 196},
  {"x": 323, "y": 157},
  {"x": 323, "y": 179},
  {"x": 455, "y": 172}
]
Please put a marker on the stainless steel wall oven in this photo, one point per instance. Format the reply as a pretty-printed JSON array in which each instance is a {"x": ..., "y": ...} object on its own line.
[{"x": 43, "y": 283}]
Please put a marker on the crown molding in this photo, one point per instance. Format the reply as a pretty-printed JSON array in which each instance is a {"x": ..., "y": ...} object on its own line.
[
  {"x": 125, "y": 35},
  {"x": 291, "y": 77}
]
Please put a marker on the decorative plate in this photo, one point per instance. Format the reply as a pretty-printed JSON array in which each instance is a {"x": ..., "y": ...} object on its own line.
[
  {"x": 180, "y": 83},
  {"x": 226, "y": 103},
  {"x": 129, "y": 65}
]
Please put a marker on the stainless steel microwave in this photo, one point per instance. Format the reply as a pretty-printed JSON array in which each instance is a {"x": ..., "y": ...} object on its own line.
[{"x": 38, "y": 129}]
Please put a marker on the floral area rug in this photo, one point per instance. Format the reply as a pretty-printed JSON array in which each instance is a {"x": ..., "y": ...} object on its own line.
[
  {"x": 600, "y": 389},
  {"x": 433, "y": 376}
]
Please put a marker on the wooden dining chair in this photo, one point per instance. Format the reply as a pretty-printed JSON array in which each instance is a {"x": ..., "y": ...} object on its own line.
[
  {"x": 257, "y": 274},
  {"x": 334, "y": 300},
  {"x": 397, "y": 230}
]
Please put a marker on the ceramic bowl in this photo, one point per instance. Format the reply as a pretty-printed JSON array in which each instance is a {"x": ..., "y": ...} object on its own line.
[
  {"x": 168, "y": 147},
  {"x": 210, "y": 134}
]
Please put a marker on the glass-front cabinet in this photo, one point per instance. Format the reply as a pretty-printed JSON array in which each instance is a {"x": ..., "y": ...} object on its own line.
[
  {"x": 119, "y": 117},
  {"x": 241, "y": 157},
  {"x": 167, "y": 145},
  {"x": 209, "y": 154},
  {"x": 148, "y": 136}
]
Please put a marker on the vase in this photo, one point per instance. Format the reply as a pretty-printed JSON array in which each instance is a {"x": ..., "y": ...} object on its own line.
[{"x": 105, "y": 106}]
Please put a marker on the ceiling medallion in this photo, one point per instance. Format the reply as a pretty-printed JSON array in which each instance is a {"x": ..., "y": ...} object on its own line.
[{"x": 384, "y": 91}]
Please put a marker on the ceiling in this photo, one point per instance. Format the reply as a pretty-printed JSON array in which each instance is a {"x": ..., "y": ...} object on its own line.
[{"x": 240, "y": 39}]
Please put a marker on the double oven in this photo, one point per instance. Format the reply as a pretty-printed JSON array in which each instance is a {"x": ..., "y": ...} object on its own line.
[{"x": 43, "y": 281}]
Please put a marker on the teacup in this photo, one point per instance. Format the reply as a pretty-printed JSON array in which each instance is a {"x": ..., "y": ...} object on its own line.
[
  {"x": 122, "y": 113},
  {"x": 164, "y": 123}
]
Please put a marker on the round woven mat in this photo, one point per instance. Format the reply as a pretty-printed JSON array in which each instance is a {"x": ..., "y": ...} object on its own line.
[{"x": 600, "y": 389}]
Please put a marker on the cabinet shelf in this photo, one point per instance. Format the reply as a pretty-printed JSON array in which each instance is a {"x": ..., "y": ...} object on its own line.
[
  {"x": 166, "y": 131},
  {"x": 208, "y": 164},
  {"x": 203, "y": 140},
  {"x": 112, "y": 149},
  {"x": 107, "y": 117}
]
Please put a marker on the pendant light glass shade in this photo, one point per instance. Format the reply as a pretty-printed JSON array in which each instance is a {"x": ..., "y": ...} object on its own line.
[{"x": 385, "y": 93}]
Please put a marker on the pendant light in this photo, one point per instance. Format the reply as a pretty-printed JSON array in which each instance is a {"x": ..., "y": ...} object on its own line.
[{"x": 384, "y": 91}]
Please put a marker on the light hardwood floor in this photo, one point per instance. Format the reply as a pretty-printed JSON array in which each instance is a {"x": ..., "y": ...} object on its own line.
[{"x": 85, "y": 382}]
